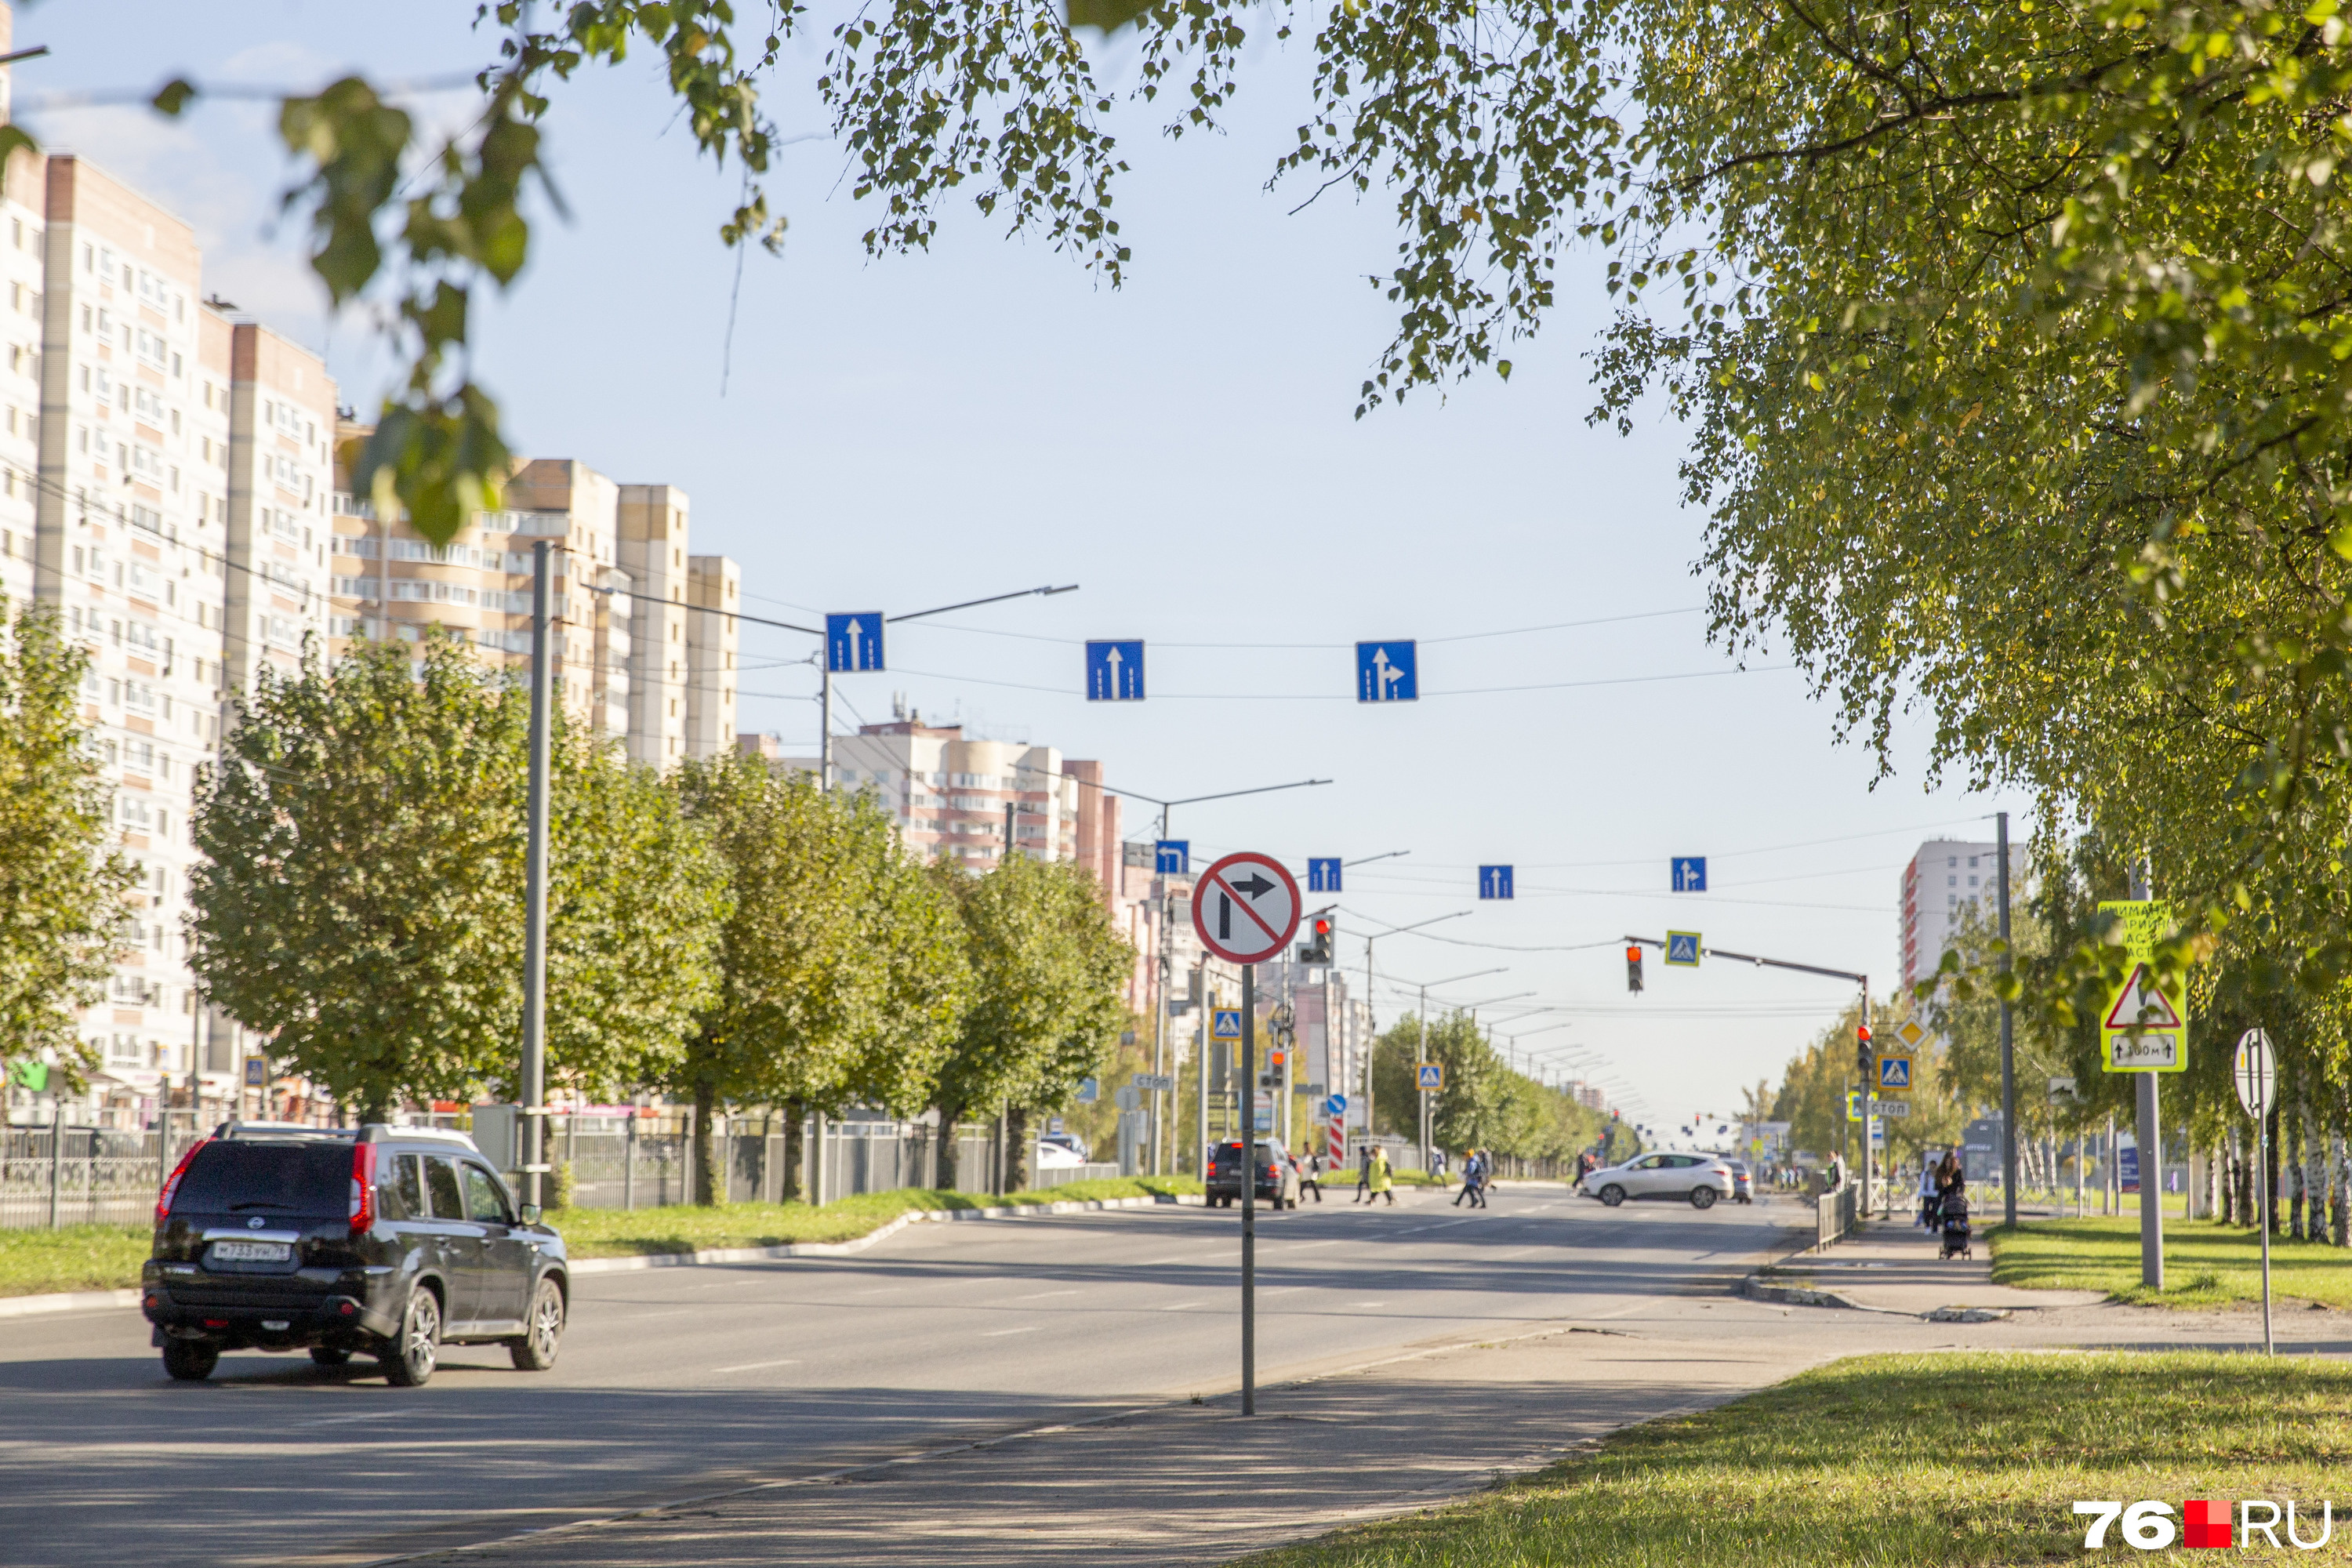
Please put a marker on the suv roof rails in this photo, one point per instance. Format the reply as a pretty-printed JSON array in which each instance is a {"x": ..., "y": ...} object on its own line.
[
  {"x": 234, "y": 1128},
  {"x": 386, "y": 1132}
]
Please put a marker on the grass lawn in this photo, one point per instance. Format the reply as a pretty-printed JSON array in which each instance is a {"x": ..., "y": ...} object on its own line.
[
  {"x": 618, "y": 1233},
  {"x": 1886, "y": 1461},
  {"x": 106, "y": 1256},
  {"x": 2205, "y": 1263},
  {"x": 75, "y": 1258}
]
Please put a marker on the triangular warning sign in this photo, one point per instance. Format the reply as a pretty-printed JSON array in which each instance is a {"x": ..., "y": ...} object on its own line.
[{"x": 2142, "y": 1006}]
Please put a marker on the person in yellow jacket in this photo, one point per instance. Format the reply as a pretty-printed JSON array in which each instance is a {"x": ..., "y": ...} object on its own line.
[{"x": 1378, "y": 1172}]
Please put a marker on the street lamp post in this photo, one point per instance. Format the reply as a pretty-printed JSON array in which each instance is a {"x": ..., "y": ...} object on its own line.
[
  {"x": 1421, "y": 1048},
  {"x": 1371, "y": 1019}
]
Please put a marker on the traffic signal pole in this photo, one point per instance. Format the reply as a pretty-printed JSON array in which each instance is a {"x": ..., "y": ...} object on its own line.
[{"x": 1864, "y": 1047}]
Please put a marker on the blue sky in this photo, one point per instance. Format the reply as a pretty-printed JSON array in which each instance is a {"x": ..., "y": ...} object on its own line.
[{"x": 912, "y": 431}]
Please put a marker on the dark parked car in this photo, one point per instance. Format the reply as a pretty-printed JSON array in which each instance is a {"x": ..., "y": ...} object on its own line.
[
  {"x": 381, "y": 1241},
  {"x": 1277, "y": 1175}
]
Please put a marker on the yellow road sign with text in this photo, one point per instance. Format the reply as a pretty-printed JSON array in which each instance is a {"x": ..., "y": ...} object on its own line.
[{"x": 2144, "y": 1026}]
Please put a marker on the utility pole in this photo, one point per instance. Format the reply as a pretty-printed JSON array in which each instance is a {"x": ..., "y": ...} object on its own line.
[
  {"x": 534, "y": 960},
  {"x": 824, "y": 725},
  {"x": 2008, "y": 1037}
]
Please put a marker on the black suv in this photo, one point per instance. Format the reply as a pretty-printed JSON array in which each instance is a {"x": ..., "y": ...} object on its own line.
[
  {"x": 1277, "y": 1179},
  {"x": 383, "y": 1241}
]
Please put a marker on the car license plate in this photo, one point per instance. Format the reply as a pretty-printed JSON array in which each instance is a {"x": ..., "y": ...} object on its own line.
[{"x": 251, "y": 1252}]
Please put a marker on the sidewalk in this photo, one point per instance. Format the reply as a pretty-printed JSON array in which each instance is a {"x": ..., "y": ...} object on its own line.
[{"x": 1891, "y": 1266}]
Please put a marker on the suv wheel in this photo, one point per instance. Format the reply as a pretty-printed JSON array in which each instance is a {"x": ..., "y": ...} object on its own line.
[
  {"x": 190, "y": 1361},
  {"x": 416, "y": 1350},
  {"x": 535, "y": 1351},
  {"x": 1703, "y": 1197},
  {"x": 1612, "y": 1195}
]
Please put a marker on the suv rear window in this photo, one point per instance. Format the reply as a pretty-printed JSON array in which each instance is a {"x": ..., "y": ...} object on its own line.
[{"x": 231, "y": 1177}]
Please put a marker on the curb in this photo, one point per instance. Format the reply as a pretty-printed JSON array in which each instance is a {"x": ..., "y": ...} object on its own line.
[
  {"x": 99, "y": 1300},
  {"x": 856, "y": 1244},
  {"x": 66, "y": 1301}
]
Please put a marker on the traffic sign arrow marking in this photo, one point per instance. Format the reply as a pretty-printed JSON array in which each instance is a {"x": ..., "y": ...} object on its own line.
[
  {"x": 1263, "y": 886},
  {"x": 1257, "y": 887}
]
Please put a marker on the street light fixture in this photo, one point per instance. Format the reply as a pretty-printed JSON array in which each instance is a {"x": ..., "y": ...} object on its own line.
[{"x": 1421, "y": 1048}]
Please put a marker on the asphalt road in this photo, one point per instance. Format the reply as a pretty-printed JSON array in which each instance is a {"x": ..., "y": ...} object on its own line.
[{"x": 676, "y": 1382}]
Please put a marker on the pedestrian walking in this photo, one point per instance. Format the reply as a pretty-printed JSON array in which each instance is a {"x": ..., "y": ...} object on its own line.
[
  {"x": 1363, "y": 1175},
  {"x": 1376, "y": 1173},
  {"x": 1486, "y": 1177},
  {"x": 1470, "y": 1168},
  {"x": 1928, "y": 1194},
  {"x": 1310, "y": 1180}
]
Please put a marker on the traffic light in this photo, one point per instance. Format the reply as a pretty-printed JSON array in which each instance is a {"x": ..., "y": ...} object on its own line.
[
  {"x": 1633, "y": 967},
  {"x": 1316, "y": 949},
  {"x": 1861, "y": 1051}
]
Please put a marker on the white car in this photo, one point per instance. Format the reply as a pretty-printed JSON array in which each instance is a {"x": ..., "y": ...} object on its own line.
[
  {"x": 1054, "y": 1156},
  {"x": 1699, "y": 1179}
]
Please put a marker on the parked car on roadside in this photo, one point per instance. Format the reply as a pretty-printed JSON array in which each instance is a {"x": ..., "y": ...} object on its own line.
[
  {"x": 1277, "y": 1177},
  {"x": 1070, "y": 1141},
  {"x": 1699, "y": 1179},
  {"x": 381, "y": 1241},
  {"x": 1052, "y": 1155}
]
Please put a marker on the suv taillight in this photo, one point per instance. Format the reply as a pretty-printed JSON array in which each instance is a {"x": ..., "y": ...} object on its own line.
[
  {"x": 362, "y": 1188},
  {"x": 171, "y": 1183}
]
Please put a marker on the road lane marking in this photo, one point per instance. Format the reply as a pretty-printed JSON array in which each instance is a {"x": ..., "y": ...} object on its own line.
[
  {"x": 754, "y": 1366},
  {"x": 999, "y": 1333},
  {"x": 1182, "y": 1305},
  {"x": 1042, "y": 1295}
]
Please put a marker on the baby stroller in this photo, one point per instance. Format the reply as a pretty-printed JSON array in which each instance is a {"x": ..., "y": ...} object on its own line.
[{"x": 1954, "y": 1219}]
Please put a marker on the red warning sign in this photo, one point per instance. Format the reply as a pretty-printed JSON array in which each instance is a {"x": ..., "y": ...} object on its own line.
[{"x": 2142, "y": 1008}]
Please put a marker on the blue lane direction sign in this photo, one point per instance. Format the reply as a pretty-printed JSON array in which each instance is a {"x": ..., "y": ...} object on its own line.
[
  {"x": 1683, "y": 949},
  {"x": 1225, "y": 1024},
  {"x": 1430, "y": 1076},
  {"x": 1323, "y": 874},
  {"x": 1384, "y": 672},
  {"x": 1115, "y": 672},
  {"x": 1089, "y": 1091},
  {"x": 1494, "y": 881},
  {"x": 1171, "y": 858},
  {"x": 852, "y": 642},
  {"x": 1336, "y": 1106},
  {"x": 1690, "y": 873}
]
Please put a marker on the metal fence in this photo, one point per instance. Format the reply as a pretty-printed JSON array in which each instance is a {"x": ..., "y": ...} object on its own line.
[
  {"x": 1062, "y": 1175},
  {"x": 58, "y": 1175},
  {"x": 1836, "y": 1214},
  {"x": 77, "y": 1175}
]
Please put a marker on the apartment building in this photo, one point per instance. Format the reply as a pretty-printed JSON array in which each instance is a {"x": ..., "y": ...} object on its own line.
[
  {"x": 1945, "y": 877},
  {"x": 279, "y": 431},
  {"x": 132, "y": 546},
  {"x": 629, "y": 638},
  {"x": 955, "y": 797},
  {"x": 21, "y": 327}
]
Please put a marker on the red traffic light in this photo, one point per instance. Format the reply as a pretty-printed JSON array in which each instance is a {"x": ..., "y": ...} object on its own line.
[{"x": 1863, "y": 1033}]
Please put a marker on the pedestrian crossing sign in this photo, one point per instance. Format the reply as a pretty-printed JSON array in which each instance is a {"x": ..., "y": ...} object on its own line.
[
  {"x": 1853, "y": 1105},
  {"x": 1893, "y": 1073},
  {"x": 1228, "y": 1024},
  {"x": 1431, "y": 1076}
]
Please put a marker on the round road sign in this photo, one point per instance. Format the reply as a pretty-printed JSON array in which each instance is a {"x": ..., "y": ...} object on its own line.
[
  {"x": 1245, "y": 907},
  {"x": 2255, "y": 1073}
]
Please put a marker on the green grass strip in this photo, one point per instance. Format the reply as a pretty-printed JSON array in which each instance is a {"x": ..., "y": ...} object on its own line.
[
  {"x": 2206, "y": 1264},
  {"x": 106, "y": 1256},
  {"x": 1889, "y": 1461}
]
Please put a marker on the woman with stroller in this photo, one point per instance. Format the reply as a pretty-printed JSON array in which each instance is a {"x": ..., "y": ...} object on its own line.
[{"x": 1952, "y": 1208}]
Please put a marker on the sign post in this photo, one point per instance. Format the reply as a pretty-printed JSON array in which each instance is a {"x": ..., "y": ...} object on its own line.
[
  {"x": 2255, "y": 1074},
  {"x": 2146, "y": 1031},
  {"x": 1246, "y": 910}
]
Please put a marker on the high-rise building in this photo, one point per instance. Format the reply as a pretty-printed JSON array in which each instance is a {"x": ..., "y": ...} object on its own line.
[
  {"x": 1946, "y": 876},
  {"x": 955, "y": 797},
  {"x": 280, "y": 429},
  {"x": 629, "y": 631},
  {"x": 715, "y": 590},
  {"x": 133, "y": 548}
]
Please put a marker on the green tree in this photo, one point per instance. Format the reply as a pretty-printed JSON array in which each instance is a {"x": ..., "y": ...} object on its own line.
[
  {"x": 63, "y": 885},
  {"x": 360, "y": 898},
  {"x": 1049, "y": 971},
  {"x": 1485, "y": 1104},
  {"x": 843, "y": 971}
]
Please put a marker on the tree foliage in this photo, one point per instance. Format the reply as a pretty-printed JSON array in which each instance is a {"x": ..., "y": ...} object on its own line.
[
  {"x": 64, "y": 882},
  {"x": 844, "y": 973},
  {"x": 1485, "y": 1103},
  {"x": 1048, "y": 971},
  {"x": 360, "y": 898}
]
